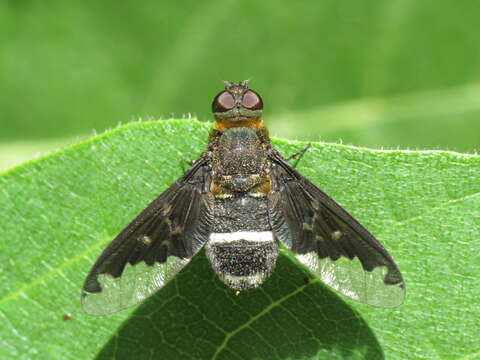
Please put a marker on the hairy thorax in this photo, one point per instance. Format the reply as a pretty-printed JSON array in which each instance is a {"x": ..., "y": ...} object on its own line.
[{"x": 240, "y": 164}]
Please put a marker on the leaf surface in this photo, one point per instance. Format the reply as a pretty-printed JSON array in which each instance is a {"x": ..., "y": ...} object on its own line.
[{"x": 59, "y": 211}]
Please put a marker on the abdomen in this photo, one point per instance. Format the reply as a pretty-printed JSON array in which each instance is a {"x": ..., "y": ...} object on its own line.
[{"x": 241, "y": 247}]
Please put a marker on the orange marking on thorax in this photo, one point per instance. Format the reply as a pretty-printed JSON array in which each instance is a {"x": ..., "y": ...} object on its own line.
[
  {"x": 265, "y": 187},
  {"x": 227, "y": 124},
  {"x": 216, "y": 189},
  {"x": 219, "y": 191}
]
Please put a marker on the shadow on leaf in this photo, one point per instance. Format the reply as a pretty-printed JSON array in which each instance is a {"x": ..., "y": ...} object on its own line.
[{"x": 291, "y": 316}]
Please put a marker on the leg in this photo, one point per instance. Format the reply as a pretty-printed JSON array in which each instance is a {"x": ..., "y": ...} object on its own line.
[
  {"x": 298, "y": 154},
  {"x": 186, "y": 162}
]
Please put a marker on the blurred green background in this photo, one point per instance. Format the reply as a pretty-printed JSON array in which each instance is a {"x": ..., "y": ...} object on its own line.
[{"x": 373, "y": 73}]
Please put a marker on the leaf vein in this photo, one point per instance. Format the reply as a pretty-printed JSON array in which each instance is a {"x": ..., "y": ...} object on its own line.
[
  {"x": 262, "y": 313},
  {"x": 431, "y": 211},
  {"x": 51, "y": 272}
]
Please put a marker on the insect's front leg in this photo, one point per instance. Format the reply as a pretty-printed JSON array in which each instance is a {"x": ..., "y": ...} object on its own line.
[{"x": 298, "y": 154}]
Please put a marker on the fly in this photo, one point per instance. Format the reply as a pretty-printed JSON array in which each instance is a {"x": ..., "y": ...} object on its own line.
[{"x": 239, "y": 201}]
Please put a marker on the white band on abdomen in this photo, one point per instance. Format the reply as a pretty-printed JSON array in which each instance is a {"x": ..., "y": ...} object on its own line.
[{"x": 264, "y": 236}]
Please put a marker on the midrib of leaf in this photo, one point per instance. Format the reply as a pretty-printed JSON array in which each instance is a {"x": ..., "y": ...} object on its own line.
[{"x": 262, "y": 313}]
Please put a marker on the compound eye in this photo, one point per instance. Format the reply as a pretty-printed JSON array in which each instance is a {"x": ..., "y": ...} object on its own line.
[
  {"x": 251, "y": 100},
  {"x": 223, "y": 102}
]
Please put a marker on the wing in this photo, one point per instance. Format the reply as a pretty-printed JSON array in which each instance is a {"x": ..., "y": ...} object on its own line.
[
  {"x": 329, "y": 241},
  {"x": 153, "y": 247}
]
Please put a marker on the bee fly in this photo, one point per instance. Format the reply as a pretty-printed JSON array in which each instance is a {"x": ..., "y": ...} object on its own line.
[{"x": 240, "y": 200}]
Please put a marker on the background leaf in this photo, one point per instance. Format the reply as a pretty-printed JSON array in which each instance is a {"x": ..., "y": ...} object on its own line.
[
  {"x": 379, "y": 73},
  {"x": 58, "y": 212}
]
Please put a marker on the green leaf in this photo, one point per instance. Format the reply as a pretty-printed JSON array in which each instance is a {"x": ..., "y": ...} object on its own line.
[{"x": 59, "y": 211}]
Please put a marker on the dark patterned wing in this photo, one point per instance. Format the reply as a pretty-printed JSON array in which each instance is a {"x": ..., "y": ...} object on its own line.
[
  {"x": 153, "y": 247},
  {"x": 329, "y": 241}
]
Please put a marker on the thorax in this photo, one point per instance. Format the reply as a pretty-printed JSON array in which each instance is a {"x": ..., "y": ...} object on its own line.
[{"x": 240, "y": 163}]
